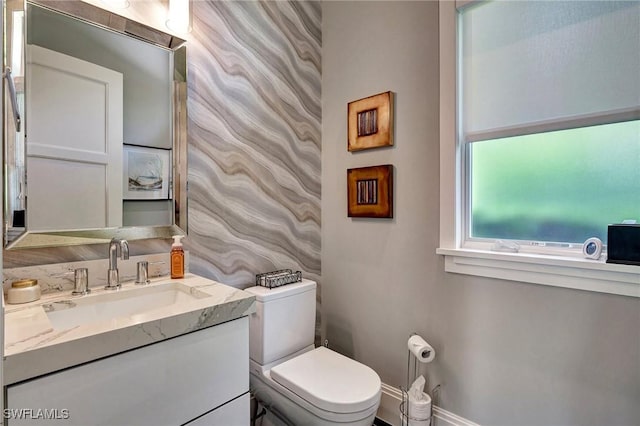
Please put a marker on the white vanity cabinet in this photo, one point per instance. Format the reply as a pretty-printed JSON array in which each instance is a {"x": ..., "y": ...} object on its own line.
[{"x": 199, "y": 378}]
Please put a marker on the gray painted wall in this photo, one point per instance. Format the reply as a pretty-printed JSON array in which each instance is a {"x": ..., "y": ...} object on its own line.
[{"x": 508, "y": 353}]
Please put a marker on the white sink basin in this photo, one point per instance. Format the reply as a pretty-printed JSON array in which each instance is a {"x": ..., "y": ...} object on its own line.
[{"x": 125, "y": 303}]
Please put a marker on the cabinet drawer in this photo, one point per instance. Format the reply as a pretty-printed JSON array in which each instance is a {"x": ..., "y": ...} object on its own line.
[
  {"x": 167, "y": 383},
  {"x": 233, "y": 413}
]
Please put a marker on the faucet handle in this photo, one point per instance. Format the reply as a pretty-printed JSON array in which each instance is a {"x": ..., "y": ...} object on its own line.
[
  {"x": 142, "y": 275},
  {"x": 81, "y": 279}
]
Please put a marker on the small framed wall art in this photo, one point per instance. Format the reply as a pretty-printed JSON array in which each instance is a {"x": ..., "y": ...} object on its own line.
[
  {"x": 370, "y": 122},
  {"x": 145, "y": 173},
  {"x": 370, "y": 191}
]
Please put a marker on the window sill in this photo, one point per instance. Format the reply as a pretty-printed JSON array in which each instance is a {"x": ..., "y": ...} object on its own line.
[{"x": 580, "y": 274}]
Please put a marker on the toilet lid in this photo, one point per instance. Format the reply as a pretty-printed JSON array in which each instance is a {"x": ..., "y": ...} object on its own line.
[{"x": 330, "y": 381}]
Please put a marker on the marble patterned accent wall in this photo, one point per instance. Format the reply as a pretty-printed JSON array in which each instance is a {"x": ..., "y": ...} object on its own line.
[
  {"x": 254, "y": 139},
  {"x": 254, "y": 111}
]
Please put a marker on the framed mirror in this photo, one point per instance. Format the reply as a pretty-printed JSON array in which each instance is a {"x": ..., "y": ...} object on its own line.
[{"x": 94, "y": 127}]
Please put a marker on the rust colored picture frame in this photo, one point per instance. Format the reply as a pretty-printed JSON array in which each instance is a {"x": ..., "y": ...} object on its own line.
[
  {"x": 370, "y": 191},
  {"x": 370, "y": 122}
]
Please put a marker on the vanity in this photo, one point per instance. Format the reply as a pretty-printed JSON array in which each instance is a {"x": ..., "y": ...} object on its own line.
[{"x": 172, "y": 352}]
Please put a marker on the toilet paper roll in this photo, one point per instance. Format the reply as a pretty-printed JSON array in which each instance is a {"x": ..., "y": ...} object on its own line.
[
  {"x": 416, "y": 413},
  {"x": 420, "y": 410},
  {"x": 421, "y": 349}
]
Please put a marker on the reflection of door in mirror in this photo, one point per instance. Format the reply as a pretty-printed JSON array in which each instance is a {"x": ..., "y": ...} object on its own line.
[
  {"x": 74, "y": 154},
  {"x": 60, "y": 171},
  {"x": 146, "y": 115},
  {"x": 146, "y": 94}
]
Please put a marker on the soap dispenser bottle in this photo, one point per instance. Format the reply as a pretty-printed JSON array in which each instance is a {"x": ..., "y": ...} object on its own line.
[{"x": 177, "y": 258}]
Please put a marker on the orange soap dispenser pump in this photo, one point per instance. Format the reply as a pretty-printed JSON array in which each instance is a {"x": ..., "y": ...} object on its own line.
[{"x": 177, "y": 257}]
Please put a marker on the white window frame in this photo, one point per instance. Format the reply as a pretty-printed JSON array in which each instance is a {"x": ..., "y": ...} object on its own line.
[{"x": 532, "y": 266}]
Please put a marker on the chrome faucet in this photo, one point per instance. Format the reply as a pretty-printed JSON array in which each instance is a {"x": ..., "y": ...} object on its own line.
[{"x": 113, "y": 281}]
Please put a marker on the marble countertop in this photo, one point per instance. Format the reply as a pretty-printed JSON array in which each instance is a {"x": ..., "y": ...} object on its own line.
[{"x": 33, "y": 346}]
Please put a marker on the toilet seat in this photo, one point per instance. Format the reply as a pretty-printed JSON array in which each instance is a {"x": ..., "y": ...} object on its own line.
[{"x": 326, "y": 379}]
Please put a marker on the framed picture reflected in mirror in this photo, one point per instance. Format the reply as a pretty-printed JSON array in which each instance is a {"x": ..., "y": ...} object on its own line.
[{"x": 146, "y": 173}]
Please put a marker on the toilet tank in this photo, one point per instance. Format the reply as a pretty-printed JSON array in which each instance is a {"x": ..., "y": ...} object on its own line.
[{"x": 284, "y": 321}]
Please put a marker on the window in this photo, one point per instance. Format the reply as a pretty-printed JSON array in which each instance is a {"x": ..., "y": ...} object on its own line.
[
  {"x": 549, "y": 94},
  {"x": 540, "y": 138},
  {"x": 558, "y": 188}
]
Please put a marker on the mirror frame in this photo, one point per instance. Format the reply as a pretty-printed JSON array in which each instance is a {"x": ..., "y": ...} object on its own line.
[{"x": 107, "y": 20}]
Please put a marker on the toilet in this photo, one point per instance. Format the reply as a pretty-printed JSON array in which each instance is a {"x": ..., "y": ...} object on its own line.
[{"x": 298, "y": 383}]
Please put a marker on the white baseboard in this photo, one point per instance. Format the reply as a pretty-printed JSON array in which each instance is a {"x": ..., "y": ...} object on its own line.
[{"x": 389, "y": 410}]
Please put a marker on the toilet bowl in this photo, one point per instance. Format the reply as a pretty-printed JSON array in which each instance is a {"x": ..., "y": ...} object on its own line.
[
  {"x": 319, "y": 387},
  {"x": 298, "y": 383}
]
